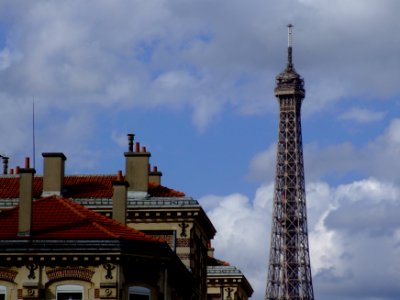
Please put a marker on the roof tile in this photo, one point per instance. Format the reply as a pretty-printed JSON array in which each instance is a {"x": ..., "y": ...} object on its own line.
[
  {"x": 60, "y": 218},
  {"x": 79, "y": 186}
]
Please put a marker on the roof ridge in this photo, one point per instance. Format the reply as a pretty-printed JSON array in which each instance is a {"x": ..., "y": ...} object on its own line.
[
  {"x": 69, "y": 204},
  {"x": 105, "y": 230},
  {"x": 91, "y": 175},
  {"x": 90, "y": 214}
]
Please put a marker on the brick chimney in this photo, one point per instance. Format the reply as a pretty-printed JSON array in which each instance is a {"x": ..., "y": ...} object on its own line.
[
  {"x": 137, "y": 170},
  {"x": 53, "y": 173},
  {"x": 155, "y": 176},
  {"x": 25, "y": 199},
  {"x": 119, "y": 199}
]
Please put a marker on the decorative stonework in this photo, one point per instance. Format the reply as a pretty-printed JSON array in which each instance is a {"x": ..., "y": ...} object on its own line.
[
  {"x": 182, "y": 242},
  {"x": 183, "y": 226},
  {"x": 108, "y": 291},
  {"x": 109, "y": 268},
  {"x": 229, "y": 293},
  {"x": 8, "y": 275},
  {"x": 70, "y": 272},
  {"x": 32, "y": 268}
]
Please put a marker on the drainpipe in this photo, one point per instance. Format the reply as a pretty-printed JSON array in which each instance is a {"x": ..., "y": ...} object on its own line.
[{"x": 165, "y": 283}]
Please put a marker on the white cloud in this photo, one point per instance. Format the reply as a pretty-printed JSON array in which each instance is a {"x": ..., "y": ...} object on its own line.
[
  {"x": 362, "y": 115},
  {"x": 242, "y": 225},
  {"x": 8, "y": 57},
  {"x": 354, "y": 250}
]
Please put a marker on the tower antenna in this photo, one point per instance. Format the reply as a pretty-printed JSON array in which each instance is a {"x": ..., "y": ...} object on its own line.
[{"x": 290, "y": 63}]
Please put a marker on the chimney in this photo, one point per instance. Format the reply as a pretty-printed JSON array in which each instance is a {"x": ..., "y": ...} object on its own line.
[
  {"x": 137, "y": 171},
  {"x": 53, "y": 173},
  {"x": 119, "y": 198},
  {"x": 25, "y": 199},
  {"x": 155, "y": 176}
]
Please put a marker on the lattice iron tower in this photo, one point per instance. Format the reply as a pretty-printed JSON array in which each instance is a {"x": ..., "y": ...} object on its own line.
[{"x": 289, "y": 271}]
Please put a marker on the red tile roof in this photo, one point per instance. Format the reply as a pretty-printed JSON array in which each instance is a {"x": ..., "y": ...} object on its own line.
[
  {"x": 9, "y": 187},
  {"x": 156, "y": 190},
  {"x": 90, "y": 186},
  {"x": 59, "y": 218},
  {"x": 84, "y": 186}
]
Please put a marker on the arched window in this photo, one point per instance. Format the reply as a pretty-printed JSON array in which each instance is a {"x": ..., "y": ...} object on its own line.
[
  {"x": 69, "y": 292},
  {"x": 139, "y": 293},
  {"x": 3, "y": 291}
]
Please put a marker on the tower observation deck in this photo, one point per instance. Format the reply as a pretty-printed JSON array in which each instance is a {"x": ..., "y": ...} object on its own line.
[{"x": 289, "y": 271}]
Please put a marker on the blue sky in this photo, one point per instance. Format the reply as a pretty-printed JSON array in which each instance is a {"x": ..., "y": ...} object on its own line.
[{"x": 194, "y": 81}]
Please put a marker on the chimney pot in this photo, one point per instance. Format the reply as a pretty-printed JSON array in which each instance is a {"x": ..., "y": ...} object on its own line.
[
  {"x": 155, "y": 176},
  {"x": 26, "y": 162},
  {"x": 137, "y": 149},
  {"x": 131, "y": 136},
  {"x": 17, "y": 168},
  {"x": 11, "y": 171},
  {"x": 120, "y": 177},
  {"x": 5, "y": 164}
]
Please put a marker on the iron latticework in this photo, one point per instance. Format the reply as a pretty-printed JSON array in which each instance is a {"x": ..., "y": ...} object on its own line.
[{"x": 289, "y": 271}]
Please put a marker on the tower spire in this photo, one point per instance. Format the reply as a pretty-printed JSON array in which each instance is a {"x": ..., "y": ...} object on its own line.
[{"x": 290, "y": 62}]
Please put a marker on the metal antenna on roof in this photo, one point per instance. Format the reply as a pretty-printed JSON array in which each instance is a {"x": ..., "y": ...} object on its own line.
[{"x": 33, "y": 133}]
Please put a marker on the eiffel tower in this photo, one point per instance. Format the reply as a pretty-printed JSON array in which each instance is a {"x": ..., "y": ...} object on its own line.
[{"x": 289, "y": 271}]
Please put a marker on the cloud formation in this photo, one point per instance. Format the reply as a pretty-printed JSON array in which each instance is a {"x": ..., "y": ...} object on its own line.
[{"x": 354, "y": 231}]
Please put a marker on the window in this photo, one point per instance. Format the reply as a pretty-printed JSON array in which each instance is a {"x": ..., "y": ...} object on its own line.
[
  {"x": 139, "y": 293},
  {"x": 3, "y": 290},
  {"x": 69, "y": 292}
]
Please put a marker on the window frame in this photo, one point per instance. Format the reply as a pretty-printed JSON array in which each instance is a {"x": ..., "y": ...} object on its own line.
[
  {"x": 139, "y": 290},
  {"x": 3, "y": 291},
  {"x": 69, "y": 288}
]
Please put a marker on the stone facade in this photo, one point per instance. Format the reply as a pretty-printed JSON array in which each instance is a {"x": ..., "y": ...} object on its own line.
[{"x": 157, "y": 211}]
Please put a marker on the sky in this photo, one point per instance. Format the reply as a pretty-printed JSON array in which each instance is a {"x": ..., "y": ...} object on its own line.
[{"x": 194, "y": 81}]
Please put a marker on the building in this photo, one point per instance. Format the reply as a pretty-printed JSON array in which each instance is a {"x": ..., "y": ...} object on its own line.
[
  {"x": 166, "y": 217},
  {"x": 54, "y": 248}
]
